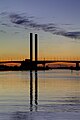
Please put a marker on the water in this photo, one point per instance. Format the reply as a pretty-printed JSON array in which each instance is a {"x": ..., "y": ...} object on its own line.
[{"x": 57, "y": 95}]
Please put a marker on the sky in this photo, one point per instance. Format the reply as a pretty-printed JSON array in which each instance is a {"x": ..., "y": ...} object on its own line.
[{"x": 57, "y": 23}]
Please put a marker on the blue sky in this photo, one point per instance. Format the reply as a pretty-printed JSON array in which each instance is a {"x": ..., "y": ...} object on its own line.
[{"x": 56, "y": 21}]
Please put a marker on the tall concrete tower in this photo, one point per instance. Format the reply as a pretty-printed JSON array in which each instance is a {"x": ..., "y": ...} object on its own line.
[
  {"x": 31, "y": 49},
  {"x": 36, "y": 49}
]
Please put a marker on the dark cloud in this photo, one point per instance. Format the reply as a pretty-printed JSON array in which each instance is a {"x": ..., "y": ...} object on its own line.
[
  {"x": 5, "y": 24},
  {"x": 18, "y": 19},
  {"x": 3, "y": 13},
  {"x": 27, "y": 22},
  {"x": 16, "y": 32},
  {"x": 2, "y": 31},
  {"x": 67, "y": 24},
  {"x": 75, "y": 35}
]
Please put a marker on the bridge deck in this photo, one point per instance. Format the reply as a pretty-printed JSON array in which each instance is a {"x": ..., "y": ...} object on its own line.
[{"x": 42, "y": 62}]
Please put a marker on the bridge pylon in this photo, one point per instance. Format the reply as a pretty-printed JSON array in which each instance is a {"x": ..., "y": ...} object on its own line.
[{"x": 77, "y": 65}]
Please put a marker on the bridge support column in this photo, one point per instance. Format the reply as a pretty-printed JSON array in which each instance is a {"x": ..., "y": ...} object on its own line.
[
  {"x": 77, "y": 65},
  {"x": 44, "y": 65}
]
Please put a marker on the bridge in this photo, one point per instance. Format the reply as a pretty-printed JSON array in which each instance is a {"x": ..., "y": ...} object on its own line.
[
  {"x": 43, "y": 62},
  {"x": 35, "y": 62}
]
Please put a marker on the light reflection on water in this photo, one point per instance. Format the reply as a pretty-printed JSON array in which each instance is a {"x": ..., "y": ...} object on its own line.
[{"x": 57, "y": 95}]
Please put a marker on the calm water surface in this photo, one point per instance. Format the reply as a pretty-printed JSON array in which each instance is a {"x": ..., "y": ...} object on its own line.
[{"x": 58, "y": 95}]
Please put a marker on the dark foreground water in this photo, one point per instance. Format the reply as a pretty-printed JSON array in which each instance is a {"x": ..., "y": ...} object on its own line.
[{"x": 57, "y": 95}]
